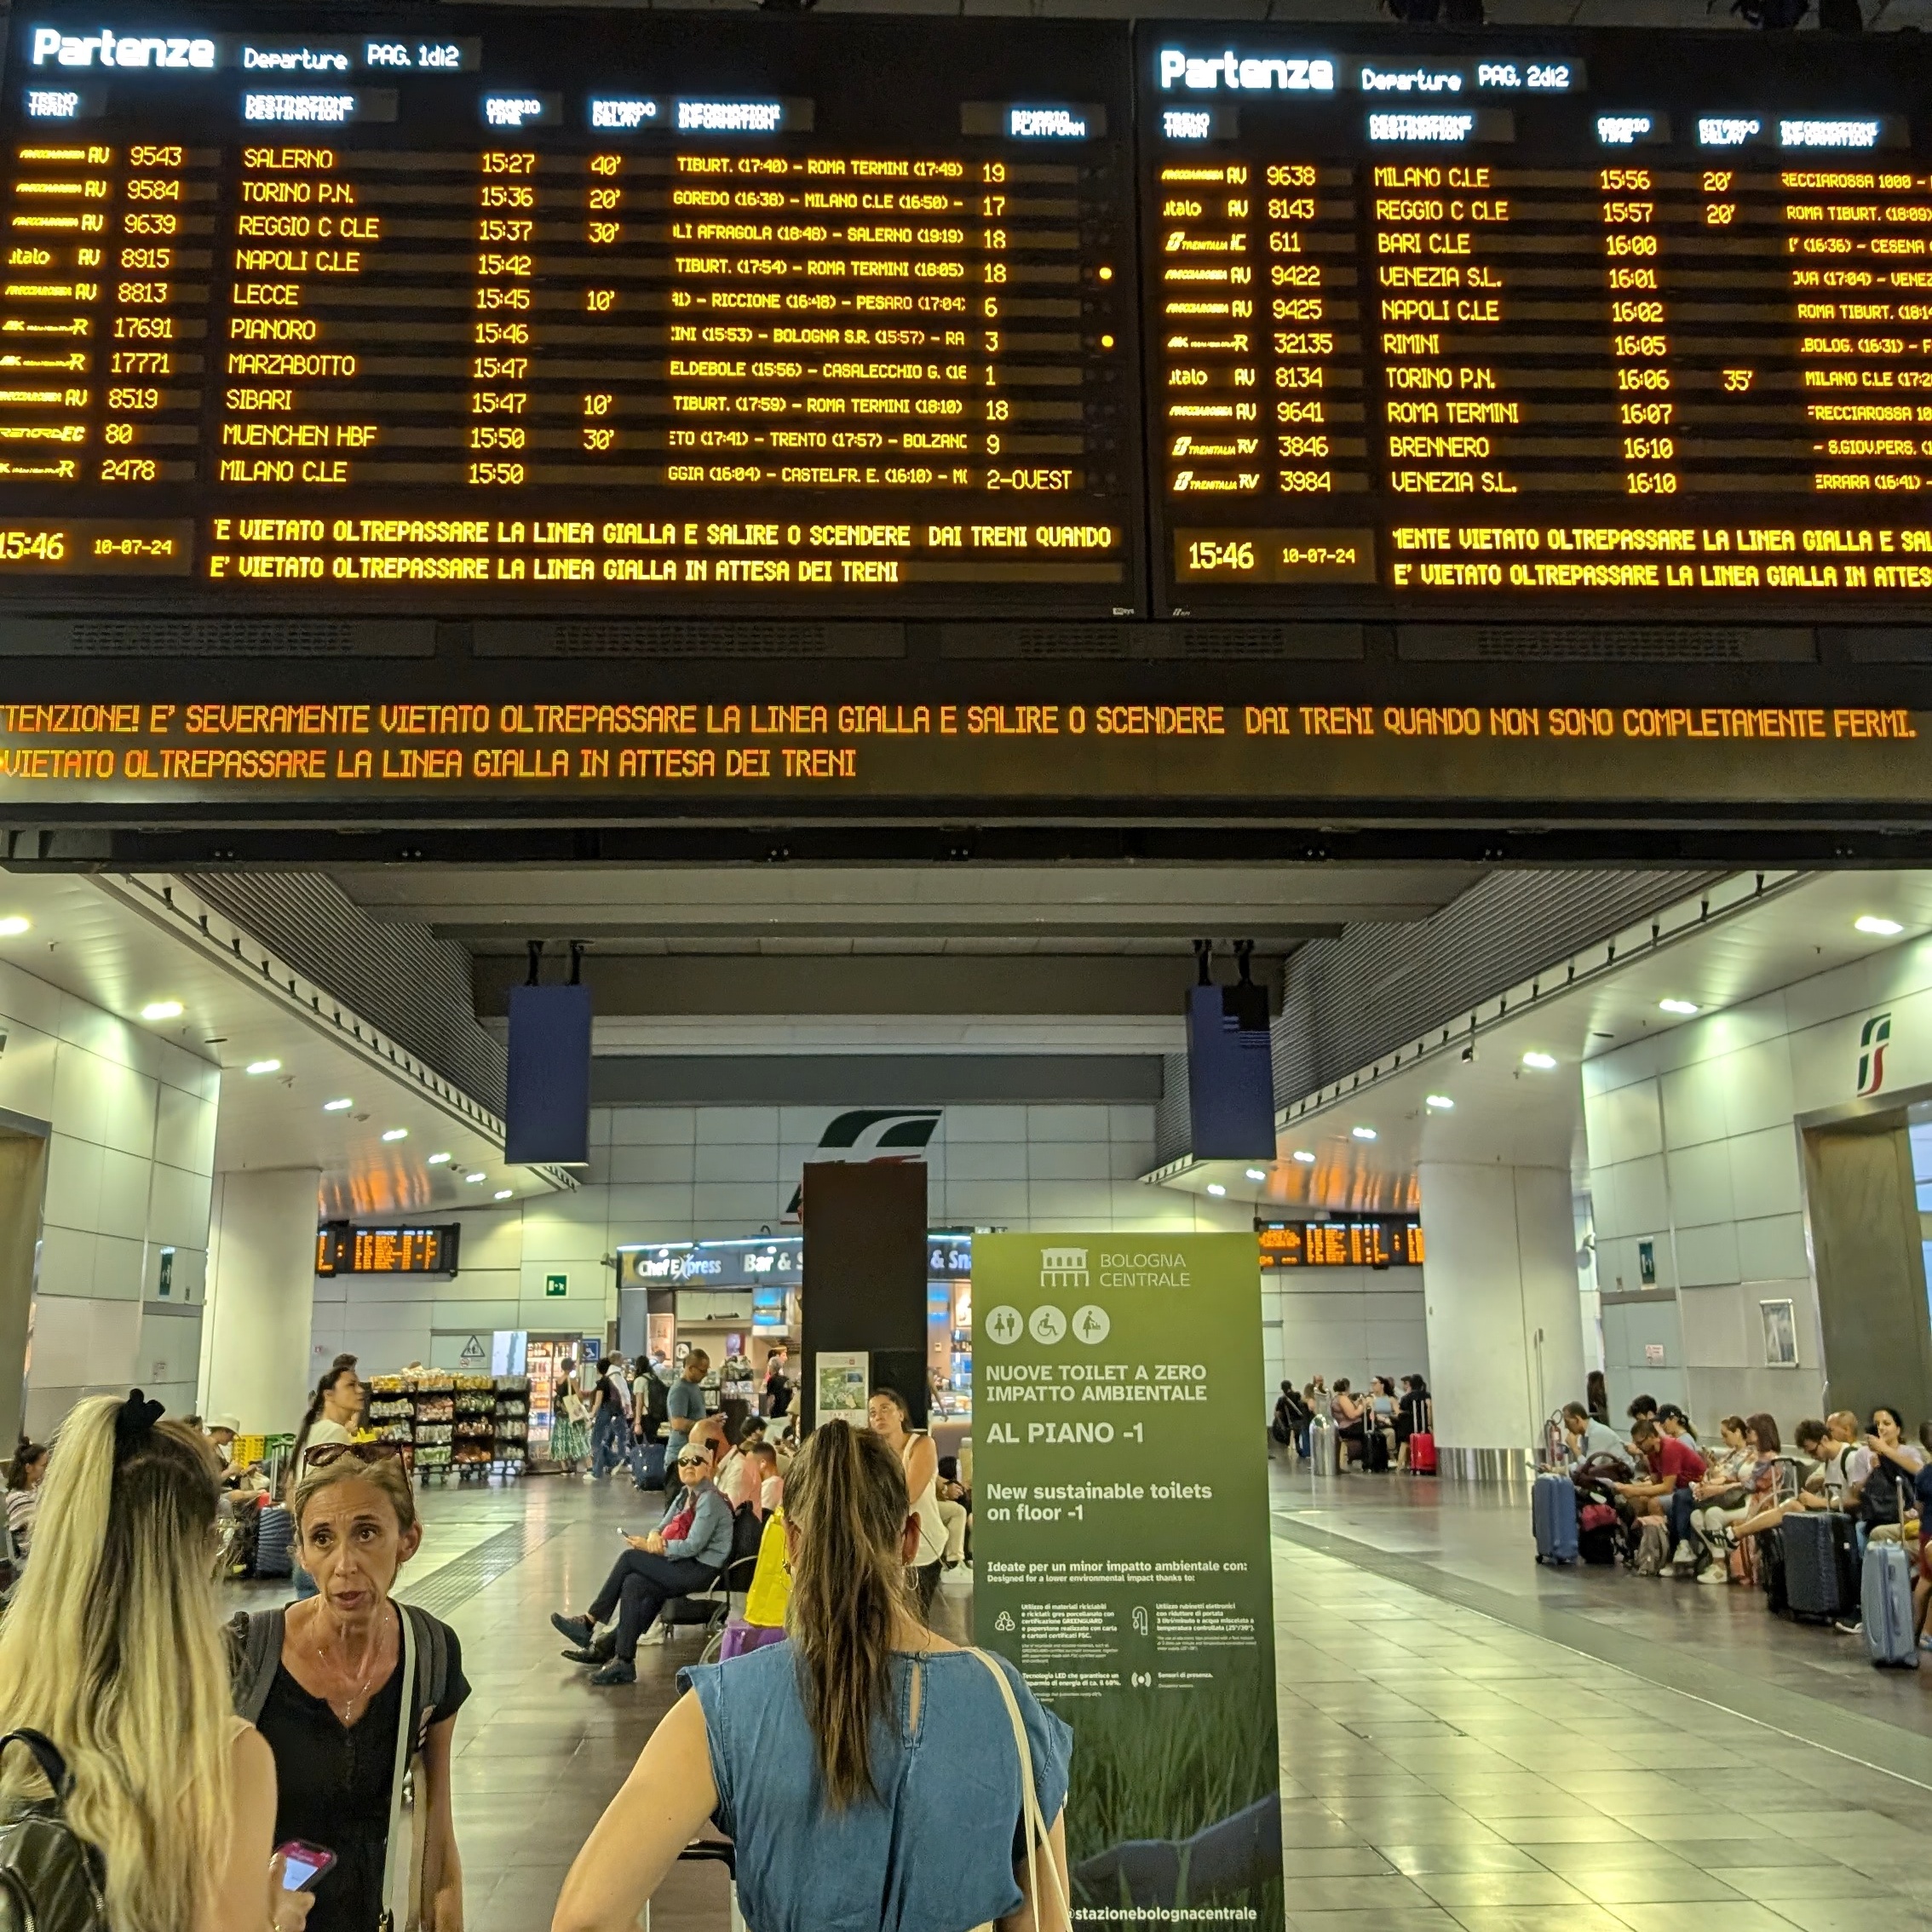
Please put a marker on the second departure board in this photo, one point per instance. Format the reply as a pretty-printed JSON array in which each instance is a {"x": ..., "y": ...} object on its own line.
[
  {"x": 1519, "y": 322},
  {"x": 503, "y": 309}
]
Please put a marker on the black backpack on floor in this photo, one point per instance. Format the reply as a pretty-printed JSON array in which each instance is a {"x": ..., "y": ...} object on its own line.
[{"x": 50, "y": 1879}]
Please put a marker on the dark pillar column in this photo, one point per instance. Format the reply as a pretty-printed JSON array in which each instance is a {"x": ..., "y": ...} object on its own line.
[
  {"x": 1866, "y": 1240},
  {"x": 865, "y": 1274}
]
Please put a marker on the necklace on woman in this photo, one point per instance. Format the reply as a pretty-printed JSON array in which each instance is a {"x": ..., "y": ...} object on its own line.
[{"x": 356, "y": 1695}]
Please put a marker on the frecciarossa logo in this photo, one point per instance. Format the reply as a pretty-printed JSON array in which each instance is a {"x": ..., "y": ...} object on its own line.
[{"x": 107, "y": 49}]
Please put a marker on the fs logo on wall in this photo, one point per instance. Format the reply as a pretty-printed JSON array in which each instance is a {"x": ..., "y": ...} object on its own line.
[
  {"x": 871, "y": 1134},
  {"x": 1873, "y": 1037}
]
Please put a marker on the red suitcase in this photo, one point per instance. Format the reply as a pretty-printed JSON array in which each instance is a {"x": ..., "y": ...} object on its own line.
[{"x": 1421, "y": 1445}]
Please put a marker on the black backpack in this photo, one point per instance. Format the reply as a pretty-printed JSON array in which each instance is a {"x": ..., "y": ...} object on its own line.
[
  {"x": 50, "y": 1879},
  {"x": 657, "y": 1406}
]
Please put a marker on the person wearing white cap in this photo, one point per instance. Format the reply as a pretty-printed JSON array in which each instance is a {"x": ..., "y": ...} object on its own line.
[{"x": 222, "y": 1433}]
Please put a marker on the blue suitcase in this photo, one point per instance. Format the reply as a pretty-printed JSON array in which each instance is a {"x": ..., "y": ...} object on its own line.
[
  {"x": 1553, "y": 1513},
  {"x": 1885, "y": 1592},
  {"x": 650, "y": 1465}
]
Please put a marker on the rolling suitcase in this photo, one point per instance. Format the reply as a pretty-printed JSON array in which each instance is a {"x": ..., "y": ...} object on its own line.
[
  {"x": 1771, "y": 1571},
  {"x": 1422, "y": 1444},
  {"x": 1553, "y": 1515},
  {"x": 1821, "y": 1566},
  {"x": 1890, "y": 1641}
]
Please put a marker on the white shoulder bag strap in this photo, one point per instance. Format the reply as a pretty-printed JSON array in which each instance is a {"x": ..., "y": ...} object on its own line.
[
  {"x": 1037, "y": 1831},
  {"x": 399, "y": 1910}
]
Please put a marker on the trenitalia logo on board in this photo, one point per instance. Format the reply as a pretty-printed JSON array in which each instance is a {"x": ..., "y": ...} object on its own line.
[{"x": 1873, "y": 1037}]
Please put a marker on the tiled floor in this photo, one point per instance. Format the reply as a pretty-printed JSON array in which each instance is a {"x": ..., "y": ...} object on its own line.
[{"x": 1468, "y": 1741}]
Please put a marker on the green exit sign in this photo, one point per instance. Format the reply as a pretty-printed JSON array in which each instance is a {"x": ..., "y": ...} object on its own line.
[{"x": 556, "y": 1284}]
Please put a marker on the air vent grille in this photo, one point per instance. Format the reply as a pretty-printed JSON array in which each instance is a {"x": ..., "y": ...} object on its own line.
[
  {"x": 1625, "y": 643},
  {"x": 217, "y": 638},
  {"x": 694, "y": 638}
]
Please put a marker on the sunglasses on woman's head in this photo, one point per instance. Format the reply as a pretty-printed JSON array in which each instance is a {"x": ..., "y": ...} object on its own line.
[{"x": 324, "y": 1453}]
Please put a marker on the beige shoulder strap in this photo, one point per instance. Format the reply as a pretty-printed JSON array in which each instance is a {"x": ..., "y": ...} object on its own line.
[{"x": 1036, "y": 1834}]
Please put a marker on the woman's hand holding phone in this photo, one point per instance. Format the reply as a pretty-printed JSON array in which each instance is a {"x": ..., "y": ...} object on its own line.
[{"x": 289, "y": 1900}]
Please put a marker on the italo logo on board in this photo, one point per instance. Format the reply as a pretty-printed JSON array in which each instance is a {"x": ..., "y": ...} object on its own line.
[{"x": 1873, "y": 1037}]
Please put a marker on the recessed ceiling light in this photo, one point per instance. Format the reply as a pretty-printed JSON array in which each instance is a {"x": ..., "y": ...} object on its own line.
[
  {"x": 1541, "y": 1061},
  {"x": 395, "y": 1133},
  {"x": 1440, "y": 1102},
  {"x": 1216, "y": 1188},
  {"x": 1254, "y": 1174},
  {"x": 1363, "y": 1133},
  {"x": 1302, "y": 1155},
  {"x": 14, "y": 925},
  {"x": 162, "y": 1010},
  {"x": 1684, "y": 1006},
  {"x": 1882, "y": 928},
  {"x": 473, "y": 1178},
  {"x": 265, "y": 1066},
  {"x": 439, "y": 1160},
  {"x": 336, "y": 1106},
  {"x": 502, "y": 1194}
]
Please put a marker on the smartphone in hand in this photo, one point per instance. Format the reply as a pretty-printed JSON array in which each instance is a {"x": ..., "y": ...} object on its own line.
[{"x": 304, "y": 1864}]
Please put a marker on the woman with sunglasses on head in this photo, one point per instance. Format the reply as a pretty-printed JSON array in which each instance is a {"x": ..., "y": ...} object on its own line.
[
  {"x": 329, "y": 1681},
  {"x": 869, "y": 1773},
  {"x": 684, "y": 1553},
  {"x": 112, "y": 1651}
]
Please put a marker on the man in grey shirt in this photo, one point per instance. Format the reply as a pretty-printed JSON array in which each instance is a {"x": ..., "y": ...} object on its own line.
[
  {"x": 685, "y": 1407},
  {"x": 1588, "y": 1437}
]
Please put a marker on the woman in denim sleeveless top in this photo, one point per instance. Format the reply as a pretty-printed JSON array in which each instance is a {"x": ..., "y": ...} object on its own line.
[{"x": 869, "y": 1772}]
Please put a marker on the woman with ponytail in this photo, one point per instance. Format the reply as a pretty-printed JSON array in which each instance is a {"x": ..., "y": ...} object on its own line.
[
  {"x": 112, "y": 1650},
  {"x": 869, "y": 1773},
  {"x": 25, "y": 1474},
  {"x": 333, "y": 1412}
]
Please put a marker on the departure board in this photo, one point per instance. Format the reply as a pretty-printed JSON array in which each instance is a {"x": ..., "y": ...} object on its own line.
[
  {"x": 503, "y": 310},
  {"x": 1381, "y": 1241},
  {"x": 477, "y": 313},
  {"x": 1524, "y": 322},
  {"x": 342, "y": 1248}
]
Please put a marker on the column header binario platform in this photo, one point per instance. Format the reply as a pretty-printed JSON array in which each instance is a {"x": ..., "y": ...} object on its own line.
[{"x": 473, "y": 311}]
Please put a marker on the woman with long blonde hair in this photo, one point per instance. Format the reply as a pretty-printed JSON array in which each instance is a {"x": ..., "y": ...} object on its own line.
[
  {"x": 112, "y": 1650},
  {"x": 869, "y": 1773}
]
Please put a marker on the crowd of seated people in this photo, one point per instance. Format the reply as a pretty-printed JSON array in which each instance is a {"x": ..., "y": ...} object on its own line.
[
  {"x": 1373, "y": 1427},
  {"x": 1691, "y": 1509}
]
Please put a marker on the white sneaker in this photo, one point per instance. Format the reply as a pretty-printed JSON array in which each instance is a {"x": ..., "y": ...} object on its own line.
[
  {"x": 657, "y": 1634},
  {"x": 1718, "y": 1572},
  {"x": 1683, "y": 1553}
]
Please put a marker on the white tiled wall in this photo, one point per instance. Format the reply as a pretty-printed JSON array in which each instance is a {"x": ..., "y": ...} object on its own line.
[
  {"x": 1335, "y": 1321},
  {"x": 1695, "y": 1146},
  {"x": 128, "y": 1173},
  {"x": 692, "y": 1173}
]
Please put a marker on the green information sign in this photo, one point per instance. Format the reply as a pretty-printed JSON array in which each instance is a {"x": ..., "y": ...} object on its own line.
[
  {"x": 1121, "y": 1537},
  {"x": 556, "y": 1284}
]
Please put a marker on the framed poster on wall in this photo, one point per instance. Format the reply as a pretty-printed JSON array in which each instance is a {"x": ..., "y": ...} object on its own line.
[{"x": 1780, "y": 1334}]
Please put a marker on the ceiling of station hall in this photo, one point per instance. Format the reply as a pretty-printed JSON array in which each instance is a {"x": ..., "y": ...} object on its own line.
[
  {"x": 1366, "y": 1133},
  {"x": 138, "y": 947},
  {"x": 786, "y": 959}
]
